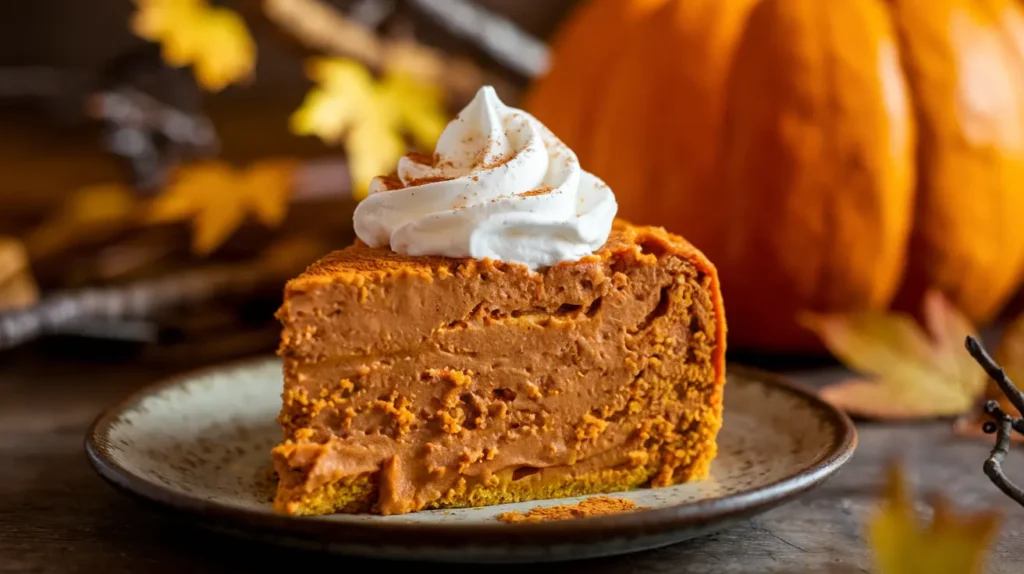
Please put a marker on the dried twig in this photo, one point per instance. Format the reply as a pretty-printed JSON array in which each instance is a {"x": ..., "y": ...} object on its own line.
[
  {"x": 151, "y": 135},
  {"x": 1015, "y": 396},
  {"x": 1002, "y": 424},
  {"x": 496, "y": 35},
  {"x": 326, "y": 28},
  {"x": 149, "y": 297},
  {"x": 132, "y": 108},
  {"x": 371, "y": 13},
  {"x": 140, "y": 299}
]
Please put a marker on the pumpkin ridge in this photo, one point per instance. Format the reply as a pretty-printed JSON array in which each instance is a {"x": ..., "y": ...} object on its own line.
[
  {"x": 1014, "y": 49},
  {"x": 817, "y": 181},
  {"x": 583, "y": 52},
  {"x": 657, "y": 127},
  {"x": 825, "y": 272},
  {"x": 966, "y": 239},
  {"x": 834, "y": 156}
]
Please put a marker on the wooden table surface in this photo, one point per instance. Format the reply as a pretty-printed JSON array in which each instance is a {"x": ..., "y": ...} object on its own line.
[{"x": 56, "y": 515}]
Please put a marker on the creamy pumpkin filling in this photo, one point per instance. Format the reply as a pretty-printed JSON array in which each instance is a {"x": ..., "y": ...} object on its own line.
[{"x": 439, "y": 383}]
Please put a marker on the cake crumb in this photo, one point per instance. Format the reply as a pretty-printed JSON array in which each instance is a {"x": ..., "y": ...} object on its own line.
[
  {"x": 591, "y": 427},
  {"x": 594, "y": 506},
  {"x": 534, "y": 392}
]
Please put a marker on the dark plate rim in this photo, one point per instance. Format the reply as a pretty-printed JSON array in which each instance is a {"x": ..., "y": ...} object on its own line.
[{"x": 577, "y": 531}]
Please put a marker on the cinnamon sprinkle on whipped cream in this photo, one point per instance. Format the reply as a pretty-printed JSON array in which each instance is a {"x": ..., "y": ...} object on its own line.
[{"x": 499, "y": 186}]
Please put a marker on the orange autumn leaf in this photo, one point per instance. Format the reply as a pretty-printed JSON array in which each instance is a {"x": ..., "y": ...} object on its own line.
[
  {"x": 217, "y": 198},
  {"x": 18, "y": 287},
  {"x": 213, "y": 40},
  {"x": 1010, "y": 355},
  {"x": 952, "y": 543},
  {"x": 90, "y": 210},
  {"x": 909, "y": 371}
]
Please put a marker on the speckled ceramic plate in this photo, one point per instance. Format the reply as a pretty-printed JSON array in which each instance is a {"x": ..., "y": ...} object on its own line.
[{"x": 199, "y": 445}]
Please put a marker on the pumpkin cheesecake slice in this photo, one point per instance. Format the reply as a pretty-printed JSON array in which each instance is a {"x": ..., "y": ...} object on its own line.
[{"x": 516, "y": 344}]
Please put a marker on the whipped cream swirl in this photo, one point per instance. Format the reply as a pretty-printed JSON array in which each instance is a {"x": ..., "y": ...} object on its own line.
[{"x": 500, "y": 185}]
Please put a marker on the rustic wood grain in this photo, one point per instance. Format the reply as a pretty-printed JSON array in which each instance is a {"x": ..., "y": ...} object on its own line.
[{"x": 57, "y": 516}]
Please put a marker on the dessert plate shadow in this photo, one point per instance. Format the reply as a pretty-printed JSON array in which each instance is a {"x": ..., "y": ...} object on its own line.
[{"x": 198, "y": 445}]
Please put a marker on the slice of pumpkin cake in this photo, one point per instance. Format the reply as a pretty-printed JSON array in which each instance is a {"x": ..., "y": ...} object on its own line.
[{"x": 495, "y": 335}]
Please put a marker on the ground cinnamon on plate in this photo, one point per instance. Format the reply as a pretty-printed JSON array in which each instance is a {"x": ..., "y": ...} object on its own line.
[{"x": 594, "y": 506}]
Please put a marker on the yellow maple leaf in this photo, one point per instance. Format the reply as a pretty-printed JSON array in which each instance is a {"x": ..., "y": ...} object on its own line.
[
  {"x": 213, "y": 40},
  {"x": 227, "y": 53},
  {"x": 344, "y": 90},
  {"x": 419, "y": 106},
  {"x": 372, "y": 149},
  {"x": 951, "y": 544},
  {"x": 218, "y": 198},
  {"x": 370, "y": 117},
  {"x": 913, "y": 372}
]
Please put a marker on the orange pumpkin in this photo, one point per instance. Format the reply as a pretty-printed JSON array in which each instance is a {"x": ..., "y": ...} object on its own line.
[
  {"x": 828, "y": 155},
  {"x": 584, "y": 61},
  {"x": 965, "y": 66}
]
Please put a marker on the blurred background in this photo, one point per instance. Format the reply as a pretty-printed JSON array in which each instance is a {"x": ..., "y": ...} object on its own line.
[
  {"x": 128, "y": 226},
  {"x": 168, "y": 164}
]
